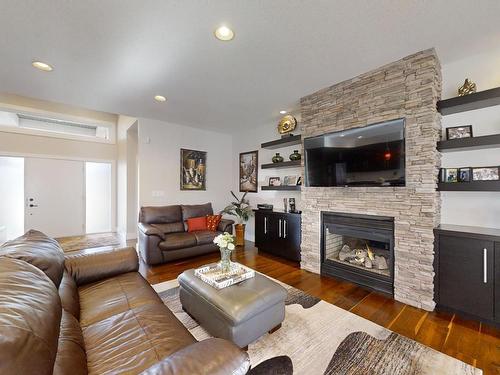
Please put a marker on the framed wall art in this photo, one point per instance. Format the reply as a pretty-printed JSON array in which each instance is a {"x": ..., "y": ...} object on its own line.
[
  {"x": 249, "y": 168},
  {"x": 193, "y": 170}
]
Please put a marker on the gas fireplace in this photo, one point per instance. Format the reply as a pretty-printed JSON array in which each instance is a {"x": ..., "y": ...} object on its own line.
[{"x": 358, "y": 248}]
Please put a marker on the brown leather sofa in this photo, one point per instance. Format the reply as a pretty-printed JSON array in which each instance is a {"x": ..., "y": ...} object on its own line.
[
  {"x": 163, "y": 235},
  {"x": 93, "y": 313}
]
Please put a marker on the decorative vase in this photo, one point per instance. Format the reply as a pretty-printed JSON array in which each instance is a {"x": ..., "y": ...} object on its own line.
[
  {"x": 277, "y": 158},
  {"x": 225, "y": 259},
  {"x": 240, "y": 234},
  {"x": 295, "y": 156}
]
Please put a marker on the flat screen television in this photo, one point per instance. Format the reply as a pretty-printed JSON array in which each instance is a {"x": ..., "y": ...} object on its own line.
[{"x": 370, "y": 156}]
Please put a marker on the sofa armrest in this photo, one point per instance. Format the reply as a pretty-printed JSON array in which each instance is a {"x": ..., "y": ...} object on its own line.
[
  {"x": 89, "y": 267},
  {"x": 211, "y": 356},
  {"x": 149, "y": 230},
  {"x": 226, "y": 225}
]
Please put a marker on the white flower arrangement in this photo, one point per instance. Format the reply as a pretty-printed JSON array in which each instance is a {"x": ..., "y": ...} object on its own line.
[{"x": 225, "y": 240}]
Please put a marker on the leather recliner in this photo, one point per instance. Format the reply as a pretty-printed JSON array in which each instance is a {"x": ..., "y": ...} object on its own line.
[
  {"x": 163, "y": 234},
  {"x": 93, "y": 313}
]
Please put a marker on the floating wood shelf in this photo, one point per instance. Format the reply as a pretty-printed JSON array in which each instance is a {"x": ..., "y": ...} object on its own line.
[
  {"x": 283, "y": 142},
  {"x": 282, "y": 188},
  {"x": 284, "y": 164},
  {"x": 478, "y": 100},
  {"x": 470, "y": 186},
  {"x": 473, "y": 143}
]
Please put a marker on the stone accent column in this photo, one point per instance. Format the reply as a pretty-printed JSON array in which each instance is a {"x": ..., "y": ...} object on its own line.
[{"x": 408, "y": 88}]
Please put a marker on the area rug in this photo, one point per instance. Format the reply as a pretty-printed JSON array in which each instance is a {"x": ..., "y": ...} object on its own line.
[
  {"x": 88, "y": 241},
  {"x": 317, "y": 337}
]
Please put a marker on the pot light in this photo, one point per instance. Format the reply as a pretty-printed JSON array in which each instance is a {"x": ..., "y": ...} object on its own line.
[
  {"x": 360, "y": 136},
  {"x": 160, "y": 98},
  {"x": 42, "y": 66},
  {"x": 224, "y": 33},
  {"x": 342, "y": 135},
  {"x": 283, "y": 112}
]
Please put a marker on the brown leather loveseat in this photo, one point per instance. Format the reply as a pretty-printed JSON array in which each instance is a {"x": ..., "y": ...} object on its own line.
[
  {"x": 163, "y": 234},
  {"x": 93, "y": 313}
]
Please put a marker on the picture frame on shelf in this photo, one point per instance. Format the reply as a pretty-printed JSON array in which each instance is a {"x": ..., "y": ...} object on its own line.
[
  {"x": 450, "y": 175},
  {"x": 249, "y": 169},
  {"x": 274, "y": 181},
  {"x": 464, "y": 174},
  {"x": 458, "y": 132},
  {"x": 485, "y": 174},
  {"x": 290, "y": 181}
]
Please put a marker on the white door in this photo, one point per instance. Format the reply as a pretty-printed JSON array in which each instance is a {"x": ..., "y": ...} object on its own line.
[{"x": 54, "y": 196}]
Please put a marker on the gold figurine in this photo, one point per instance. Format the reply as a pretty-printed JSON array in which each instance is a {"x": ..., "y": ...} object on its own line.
[
  {"x": 287, "y": 124},
  {"x": 467, "y": 88}
]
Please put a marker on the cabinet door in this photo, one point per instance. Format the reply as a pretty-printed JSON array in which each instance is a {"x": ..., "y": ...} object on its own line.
[
  {"x": 265, "y": 231},
  {"x": 466, "y": 275},
  {"x": 291, "y": 236},
  {"x": 259, "y": 228},
  {"x": 497, "y": 281}
]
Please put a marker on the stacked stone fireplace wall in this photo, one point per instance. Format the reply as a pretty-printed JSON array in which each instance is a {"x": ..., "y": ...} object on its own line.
[{"x": 408, "y": 88}]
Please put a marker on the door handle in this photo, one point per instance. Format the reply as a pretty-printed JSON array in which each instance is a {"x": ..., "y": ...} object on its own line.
[
  {"x": 485, "y": 265},
  {"x": 265, "y": 224},
  {"x": 284, "y": 228},
  {"x": 279, "y": 228}
]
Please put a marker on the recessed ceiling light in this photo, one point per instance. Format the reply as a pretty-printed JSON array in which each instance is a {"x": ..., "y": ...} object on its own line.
[
  {"x": 42, "y": 66},
  {"x": 160, "y": 98},
  {"x": 224, "y": 33},
  {"x": 342, "y": 135},
  {"x": 283, "y": 112},
  {"x": 360, "y": 136}
]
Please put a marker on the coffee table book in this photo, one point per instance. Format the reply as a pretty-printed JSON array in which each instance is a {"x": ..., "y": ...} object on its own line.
[{"x": 213, "y": 275}]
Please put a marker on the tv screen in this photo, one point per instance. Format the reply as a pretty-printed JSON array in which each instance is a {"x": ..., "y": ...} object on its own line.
[{"x": 370, "y": 156}]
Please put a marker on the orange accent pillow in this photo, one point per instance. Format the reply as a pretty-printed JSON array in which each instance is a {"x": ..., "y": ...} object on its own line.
[
  {"x": 213, "y": 222},
  {"x": 197, "y": 223}
]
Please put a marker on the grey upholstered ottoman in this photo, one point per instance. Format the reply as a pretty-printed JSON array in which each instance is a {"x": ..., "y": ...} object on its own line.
[{"x": 241, "y": 313}]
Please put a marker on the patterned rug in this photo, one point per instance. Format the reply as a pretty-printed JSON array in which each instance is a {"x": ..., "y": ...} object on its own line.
[
  {"x": 317, "y": 337},
  {"x": 88, "y": 241}
]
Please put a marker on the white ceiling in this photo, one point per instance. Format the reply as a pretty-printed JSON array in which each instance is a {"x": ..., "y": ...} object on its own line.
[{"x": 115, "y": 55}]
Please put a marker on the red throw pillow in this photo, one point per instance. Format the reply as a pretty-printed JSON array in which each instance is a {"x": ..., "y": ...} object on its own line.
[
  {"x": 197, "y": 223},
  {"x": 213, "y": 222}
]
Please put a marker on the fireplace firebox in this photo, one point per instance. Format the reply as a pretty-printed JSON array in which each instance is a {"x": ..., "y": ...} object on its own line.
[{"x": 358, "y": 248}]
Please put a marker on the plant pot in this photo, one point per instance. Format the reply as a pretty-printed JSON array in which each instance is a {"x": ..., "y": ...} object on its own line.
[
  {"x": 277, "y": 158},
  {"x": 225, "y": 259},
  {"x": 240, "y": 234}
]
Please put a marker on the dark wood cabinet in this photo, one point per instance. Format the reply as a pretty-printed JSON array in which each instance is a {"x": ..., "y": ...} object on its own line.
[
  {"x": 467, "y": 264},
  {"x": 278, "y": 233}
]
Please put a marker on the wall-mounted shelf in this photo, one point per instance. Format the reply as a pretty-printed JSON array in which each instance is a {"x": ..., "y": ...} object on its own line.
[
  {"x": 283, "y": 142},
  {"x": 282, "y": 188},
  {"x": 470, "y": 186},
  {"x": 284, "y": 164},
  {"x": 478, "y": 100},
  {"x": 473, "y": 143}
]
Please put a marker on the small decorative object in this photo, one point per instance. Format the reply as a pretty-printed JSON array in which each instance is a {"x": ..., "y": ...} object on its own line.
[
  {"x": 451, "y": 175},
  {"x": 193, "y": 170},
  {"x": 285, "y": 205},
  {"x": 442, "y": 175},
  {"x": 485, "y": 174},
  {"x": 274, "y": 181},
  {"x": 467, "y": 88},
  {"x": 249, "y": 166},
  {"x": 277, "y": 158},
  {"x": 287, "y": 124},
  {"x": 291, "y": 203},
  {"x": 295, "y": 156},
  {"x": 290, "y": 181},
  {"x": 242, "y": 210},
  {"x": 213, "y": 275},
  {"x": 225, "y": 242},
  {"x": 464, "y": 174},
  {"x": 457, "y": 132},
  {"x": 299, "y": 180}
]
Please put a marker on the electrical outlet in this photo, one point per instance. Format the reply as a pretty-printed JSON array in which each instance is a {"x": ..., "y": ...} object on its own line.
[{"x": 158, "y": 193}]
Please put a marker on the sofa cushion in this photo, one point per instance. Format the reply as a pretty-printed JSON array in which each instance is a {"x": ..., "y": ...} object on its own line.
[
  {"x": 71, "y": 357},
  {"x": 39, "y": 250},
  {"x": 68, "y": 292},
  {"x": 108, "y": 297},
  {"x": 174, "y": 241},
  {"x": 196, "y": 210},
  {"x": 30, "y": 316},
  {"x": 169, "y": 227},
  {"x": 160, "y": 214},
  {"x": 205, "y": 236},
  {"x": 213, "y": 222},
  {"x": 196, "y": 223},
  {"x": 134, "y": 340}
]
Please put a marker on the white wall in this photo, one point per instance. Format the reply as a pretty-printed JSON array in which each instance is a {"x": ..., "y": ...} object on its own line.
[
  {"x": 11, "y": 198},
  {"x": 159, "y": 160},
  {"x": 472, "y": 208},
  {"x": 250, "y": 140}
]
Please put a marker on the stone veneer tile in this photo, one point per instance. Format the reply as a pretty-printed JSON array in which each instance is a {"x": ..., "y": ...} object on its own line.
[{"x": 408, "y": 88}]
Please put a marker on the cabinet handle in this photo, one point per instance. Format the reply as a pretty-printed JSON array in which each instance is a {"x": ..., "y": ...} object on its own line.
[
  {"x": 485, "y": 266},
  {"x": 279, "y": 228},
  {"x": 265, "y": 224},
  {"x": 284, "y": 228}
]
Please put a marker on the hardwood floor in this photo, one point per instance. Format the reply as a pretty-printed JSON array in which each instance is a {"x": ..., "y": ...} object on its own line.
[{"x": 468, "y": 340}]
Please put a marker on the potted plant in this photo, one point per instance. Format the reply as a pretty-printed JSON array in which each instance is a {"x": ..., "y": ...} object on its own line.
[{"x": 242, "y": 211}]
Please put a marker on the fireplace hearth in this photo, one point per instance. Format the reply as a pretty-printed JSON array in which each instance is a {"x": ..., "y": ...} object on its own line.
[{"x": 358, "y": 248}]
